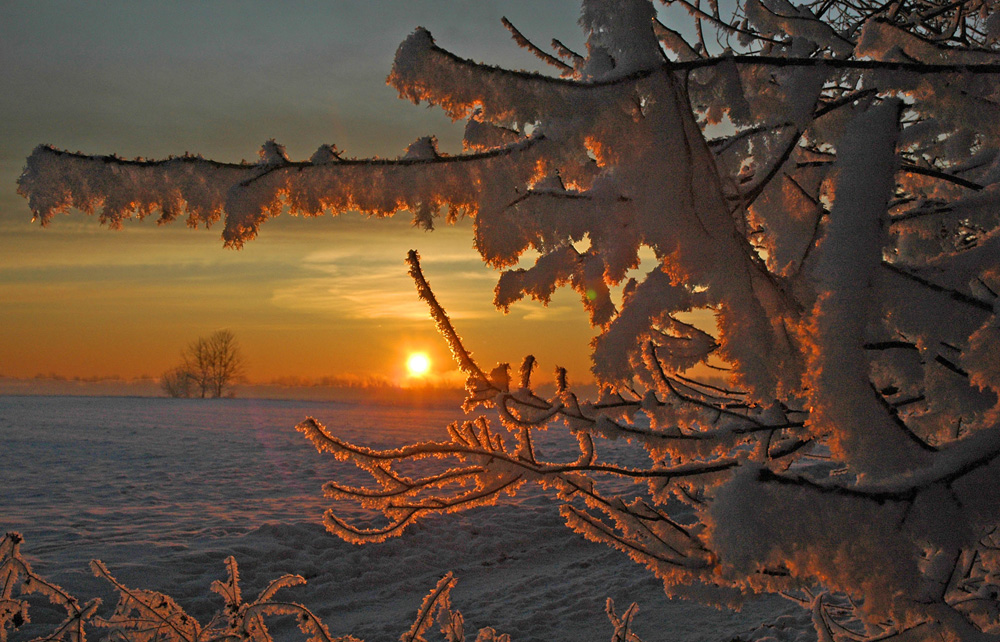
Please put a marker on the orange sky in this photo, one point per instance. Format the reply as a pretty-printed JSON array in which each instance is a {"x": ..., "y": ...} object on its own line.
[{"x": 308, "y": 298}]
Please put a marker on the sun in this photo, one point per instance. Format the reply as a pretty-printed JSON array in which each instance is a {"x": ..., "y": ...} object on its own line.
[{"x": 418, "y": 364}]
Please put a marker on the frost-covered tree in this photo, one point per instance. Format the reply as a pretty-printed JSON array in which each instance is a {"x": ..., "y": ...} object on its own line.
[{"x": 823, "y": 177}]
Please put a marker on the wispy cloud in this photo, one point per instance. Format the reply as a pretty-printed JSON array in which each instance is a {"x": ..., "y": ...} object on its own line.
[
  {"x": 366, "y": 284},
  {"x": 534, "y": 311}
]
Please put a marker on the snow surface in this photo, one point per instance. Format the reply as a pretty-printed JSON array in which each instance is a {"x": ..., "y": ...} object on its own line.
[{"x": 163, "y": 490}]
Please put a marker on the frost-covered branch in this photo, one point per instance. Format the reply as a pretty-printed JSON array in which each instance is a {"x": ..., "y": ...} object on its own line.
[
  {"x": 246, "y": 195},
  {"x": 530, "y": 46},
  {"x": 18, "y": 581}
]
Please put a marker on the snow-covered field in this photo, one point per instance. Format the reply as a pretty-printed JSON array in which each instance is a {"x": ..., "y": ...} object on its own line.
[{"x": 162, "y": 490}]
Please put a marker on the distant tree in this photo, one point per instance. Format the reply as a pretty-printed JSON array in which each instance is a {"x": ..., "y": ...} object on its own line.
[
  {"x": 822, "y": 177},
  {"x": 210, "y": 365},
  {"x": 226, "y": 362}
]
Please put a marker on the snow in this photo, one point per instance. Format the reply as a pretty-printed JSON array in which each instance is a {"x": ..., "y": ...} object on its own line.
[
  {"x": 163, "y": 490},
  {"x": 272, "y": 154},
  {"x": 622, "y": 31}
]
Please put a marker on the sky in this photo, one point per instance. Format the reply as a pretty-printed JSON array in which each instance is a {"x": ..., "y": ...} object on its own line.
[{"x": 309, "y": 298}]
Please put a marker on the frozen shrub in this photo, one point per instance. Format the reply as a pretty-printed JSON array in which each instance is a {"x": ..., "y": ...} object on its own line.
[{"x": 143, "y": 615}]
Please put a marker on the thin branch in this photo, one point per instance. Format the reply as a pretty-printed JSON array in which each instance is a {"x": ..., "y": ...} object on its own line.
[
  {"x": 325, "y": 441},
  {"x": 521, "y": 40},
  {"x": 710, "y": 386},
  {"x": 955, "y": 295},
  {"x": 836, "y": 64},
  {"x": 570, "y": 196},
  {"x": 697, "y": 13},
  {"x": 461, "y": 355},
  {"x": 919, "y": 213},
  {"x": 934, "y": 173},
  {"x": 890, "y": 345},
  {"x": 720, "y": 145},
  {"x": 753, "y": 193},
  {"x": 566, "y": 52},
  {"x": 950, "y": 365},
  {"x": 899, "y": 423},
  {"x": 674, "y": 41}
]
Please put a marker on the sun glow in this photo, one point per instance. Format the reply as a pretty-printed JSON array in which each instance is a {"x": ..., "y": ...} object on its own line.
[{"x": 418, "y": 364}]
